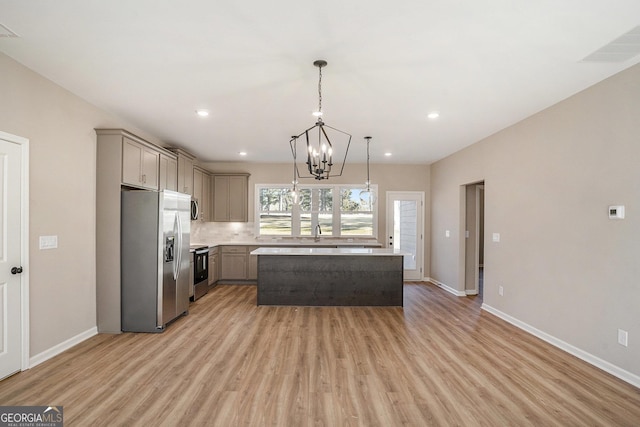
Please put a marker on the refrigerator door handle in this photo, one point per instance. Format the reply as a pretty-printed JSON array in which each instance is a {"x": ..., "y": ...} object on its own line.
[{"x": 177, "y": 261}]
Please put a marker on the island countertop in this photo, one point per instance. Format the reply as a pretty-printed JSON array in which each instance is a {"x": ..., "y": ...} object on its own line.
[{"x": 328, "y": 251}]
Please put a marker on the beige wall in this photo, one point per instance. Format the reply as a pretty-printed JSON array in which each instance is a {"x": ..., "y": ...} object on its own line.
[
  {"x": 566, "y": 269},
  {"x": 60, "y": 128}
]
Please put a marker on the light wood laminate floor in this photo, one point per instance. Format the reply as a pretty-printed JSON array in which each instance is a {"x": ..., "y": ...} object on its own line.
[{"x": 440, "y": 360}]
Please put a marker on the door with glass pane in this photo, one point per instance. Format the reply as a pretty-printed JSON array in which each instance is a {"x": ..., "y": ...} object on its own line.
[{"x": 405, "y": 229}]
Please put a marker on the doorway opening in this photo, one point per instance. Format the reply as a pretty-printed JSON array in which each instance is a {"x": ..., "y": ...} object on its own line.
[{"x": 473, "y": 198}]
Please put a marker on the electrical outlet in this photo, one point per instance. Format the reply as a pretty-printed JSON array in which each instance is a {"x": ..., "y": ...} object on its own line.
[
  {"x": 500, "y": 290},
  {"x": 623, "y": 337}
]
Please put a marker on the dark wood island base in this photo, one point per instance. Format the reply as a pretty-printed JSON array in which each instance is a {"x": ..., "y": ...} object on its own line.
[{"x": 330, "y": 280}]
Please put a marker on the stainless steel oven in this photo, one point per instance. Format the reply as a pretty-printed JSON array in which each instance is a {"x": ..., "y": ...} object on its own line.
[{"x": 200, "y": 271}]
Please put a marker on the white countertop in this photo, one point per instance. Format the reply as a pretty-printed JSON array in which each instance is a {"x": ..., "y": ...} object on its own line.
[
  {"x": 296, "y": 242},
  {"x": 328, "y": 251}
]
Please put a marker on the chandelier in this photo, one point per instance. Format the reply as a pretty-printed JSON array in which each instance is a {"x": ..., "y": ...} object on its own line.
[{"x": 320, "y": 144}]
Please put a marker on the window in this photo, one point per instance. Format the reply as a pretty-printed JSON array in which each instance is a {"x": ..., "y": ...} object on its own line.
[
  {"x": 356, "y": 216},
  {"x": 274, "y": 207},
  {"x": 337, "y": 209}
]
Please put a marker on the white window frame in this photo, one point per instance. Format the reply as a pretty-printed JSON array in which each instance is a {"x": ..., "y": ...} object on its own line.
[{"x": 336, "y": 211}]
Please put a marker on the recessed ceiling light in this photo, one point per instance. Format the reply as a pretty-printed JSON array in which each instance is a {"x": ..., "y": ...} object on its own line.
[
  {"x": 243, "y": 153},
  {"x": 202, "y": 113},
  {"x": 387, "y": 154},
  {"x": 433, "y": 115}
]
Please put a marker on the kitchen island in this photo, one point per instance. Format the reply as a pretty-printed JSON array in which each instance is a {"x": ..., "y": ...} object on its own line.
[{"x": 314, "y": 276}]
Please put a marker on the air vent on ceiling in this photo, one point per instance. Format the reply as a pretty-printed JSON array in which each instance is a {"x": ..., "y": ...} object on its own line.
[
  {"x": 621, "y": 49},
  {"x": 6, "y": 32}
]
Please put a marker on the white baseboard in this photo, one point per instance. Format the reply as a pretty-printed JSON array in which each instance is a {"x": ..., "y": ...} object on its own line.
[
  {"x": 57, "y": 349},
  {"x": 614, "y": 370},
  {"x": 446, "y": 288}
]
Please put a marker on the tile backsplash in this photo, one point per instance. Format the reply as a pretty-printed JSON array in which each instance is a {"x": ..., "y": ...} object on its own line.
[{"x": 213, "y": 232}]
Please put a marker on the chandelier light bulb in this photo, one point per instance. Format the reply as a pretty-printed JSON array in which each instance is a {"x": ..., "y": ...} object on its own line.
[
  {"x": 368, "y": 197},
  {"x": 294, "y": 197}
]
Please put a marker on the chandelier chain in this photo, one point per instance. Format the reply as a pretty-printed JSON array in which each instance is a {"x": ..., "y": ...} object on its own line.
[{"x": 368, "y": 138}]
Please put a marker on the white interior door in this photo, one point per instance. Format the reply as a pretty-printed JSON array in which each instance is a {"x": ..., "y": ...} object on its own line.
[
  {"x": 405, "y": 212},
  {"x": 10, "y": 257}
]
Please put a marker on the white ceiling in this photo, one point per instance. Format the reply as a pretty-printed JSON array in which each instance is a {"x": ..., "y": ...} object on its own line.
[{"x": 483, "y": 65}]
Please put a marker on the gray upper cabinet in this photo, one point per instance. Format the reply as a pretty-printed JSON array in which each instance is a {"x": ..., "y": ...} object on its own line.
[
  {"x": 185, "y": 171},
  {"x": 140, "y": 164},
  {"x": 230, "y": 192},
  {"x": 168, "y": 173}
]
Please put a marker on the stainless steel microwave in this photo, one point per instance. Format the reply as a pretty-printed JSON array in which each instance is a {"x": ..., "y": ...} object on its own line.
[{"x": 195, "y": 210}]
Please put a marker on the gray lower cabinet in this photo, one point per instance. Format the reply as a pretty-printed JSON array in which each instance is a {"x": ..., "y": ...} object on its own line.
[
  {"x": 213, "y": 266},
  {"x": 236, "y": 263},
  {"x": 233, "y": 263}
]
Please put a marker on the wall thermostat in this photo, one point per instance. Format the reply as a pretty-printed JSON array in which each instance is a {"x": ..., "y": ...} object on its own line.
[{"x": 616, "y": 212}]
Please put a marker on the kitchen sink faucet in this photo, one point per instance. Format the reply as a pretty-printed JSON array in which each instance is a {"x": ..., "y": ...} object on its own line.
[{"x": 317, "y": 232}]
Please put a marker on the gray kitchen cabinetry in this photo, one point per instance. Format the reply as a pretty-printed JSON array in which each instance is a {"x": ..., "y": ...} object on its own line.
[
  {"x": 168, "y": 173},
  {"x": 140, "y": 164},
  {"x": 233, "y": 263},
  {"x": 202, "y": 192},
  {"x": 123, "y": 160},
  {"x": 230, "y": 192},
  {"x": 185, "y": 171},
  {"x": 213, "y": 266},
  {"x": 237, "y": 264}
]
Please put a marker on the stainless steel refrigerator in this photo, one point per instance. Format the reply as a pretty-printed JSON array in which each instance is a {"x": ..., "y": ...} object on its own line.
[{"x": 154, "y": 259}]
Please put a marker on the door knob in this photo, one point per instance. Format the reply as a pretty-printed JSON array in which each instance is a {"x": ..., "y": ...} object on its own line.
[{"x": 16, "y": 270}]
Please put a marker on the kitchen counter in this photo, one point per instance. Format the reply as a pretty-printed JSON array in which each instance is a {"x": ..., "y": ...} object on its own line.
[
  {"x": 296, "y": 242},
  {"x": 328, "y": 251}
]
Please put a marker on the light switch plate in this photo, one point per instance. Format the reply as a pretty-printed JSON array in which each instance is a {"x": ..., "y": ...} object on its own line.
[
  {"x": 495, "y": 237},
  {"x": 447, "y": 233},
  {"x": 48, "y": 242}
]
